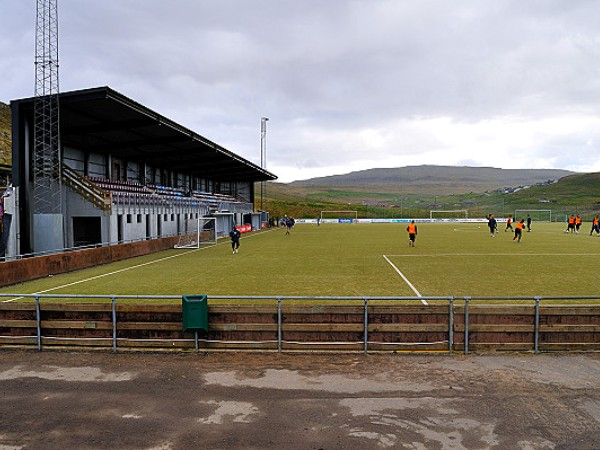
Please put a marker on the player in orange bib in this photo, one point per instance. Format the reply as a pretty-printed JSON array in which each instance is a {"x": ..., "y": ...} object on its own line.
[
  {"x": 570, "y": 224},
  {"x": 519, "y": 226},
  {"x": 577, "y": 223},
  {"x": 509, "y": 223},
  {"x": 412, "y": 233}
]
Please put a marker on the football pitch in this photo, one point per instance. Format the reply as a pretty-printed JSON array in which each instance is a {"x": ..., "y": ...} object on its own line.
[{"x": 449, "y": 259}]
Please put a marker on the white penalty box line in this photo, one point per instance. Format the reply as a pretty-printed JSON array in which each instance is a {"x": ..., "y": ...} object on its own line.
[{"x": 410, "y": 285}]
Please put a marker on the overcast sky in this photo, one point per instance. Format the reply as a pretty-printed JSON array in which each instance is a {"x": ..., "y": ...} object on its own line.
[{"x": 346, "y": 84}]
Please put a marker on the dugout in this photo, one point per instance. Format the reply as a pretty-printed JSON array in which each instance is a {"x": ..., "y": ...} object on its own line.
[
  {"x": 254, "y": 219},
  {"x": 127, "y": 173},
  {"x": 224, "y": 222}
]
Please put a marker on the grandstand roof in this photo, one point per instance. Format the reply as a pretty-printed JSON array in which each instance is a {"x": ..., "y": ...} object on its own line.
[{"x": 104, "y": 121}]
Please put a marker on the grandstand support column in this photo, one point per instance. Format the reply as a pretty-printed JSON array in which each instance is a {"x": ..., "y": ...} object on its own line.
[{"x": 263, "y": 155}]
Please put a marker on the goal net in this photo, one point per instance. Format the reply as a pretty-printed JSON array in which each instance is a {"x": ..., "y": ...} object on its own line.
[
  {"x": 449, "y": 214},
  {"x": 537, "y": 215},
  {"x": 197, "y": 232},
  {"x": 339, "y": 216}
]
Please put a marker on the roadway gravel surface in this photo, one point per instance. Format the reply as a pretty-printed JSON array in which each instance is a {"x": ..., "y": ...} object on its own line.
[{"x": 62, "y": 400}]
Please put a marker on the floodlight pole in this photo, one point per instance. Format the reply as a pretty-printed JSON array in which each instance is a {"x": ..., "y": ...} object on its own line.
[
  {"x": 263, "y": 154},
  {"x": 46, "y": 158}
]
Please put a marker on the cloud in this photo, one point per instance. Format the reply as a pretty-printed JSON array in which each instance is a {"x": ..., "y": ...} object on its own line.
[{"x": 347, "y": 84}]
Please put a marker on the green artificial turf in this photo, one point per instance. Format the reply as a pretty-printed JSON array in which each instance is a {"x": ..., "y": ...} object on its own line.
[{"x": 456, "y": 259}]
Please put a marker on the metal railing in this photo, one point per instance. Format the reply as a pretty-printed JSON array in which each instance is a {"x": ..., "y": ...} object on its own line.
[{"x": 366, "y": 301}]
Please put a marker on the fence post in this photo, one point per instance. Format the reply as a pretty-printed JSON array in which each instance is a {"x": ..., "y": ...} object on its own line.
[
  {"x": 278, "y": 324},
  {"x": 38, "y": 320},
  {"x": 537, "y": 326},
  {"x": 114, "y": 322},
  {"x": 366, "y": 325},
  {"x": 467, "y": 299},
  {"x": 450, "y": 324}
]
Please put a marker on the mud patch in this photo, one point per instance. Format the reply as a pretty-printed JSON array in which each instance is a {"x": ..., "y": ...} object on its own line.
[
  {"x": 541, "y": 445},
  {"x": 572, "y": 371},
  {"x": 592, "y": 407}
]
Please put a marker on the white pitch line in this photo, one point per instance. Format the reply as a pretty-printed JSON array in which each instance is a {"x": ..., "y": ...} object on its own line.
[
  {"x": 405, "y": 279},
  {"x": 487, "y": 255},
  {"x": 123, "y": 270},
  {"x": 104, "y": 275}
]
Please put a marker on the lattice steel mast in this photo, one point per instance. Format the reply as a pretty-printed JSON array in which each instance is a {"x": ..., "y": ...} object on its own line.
[{"x": 46, "y": 164}]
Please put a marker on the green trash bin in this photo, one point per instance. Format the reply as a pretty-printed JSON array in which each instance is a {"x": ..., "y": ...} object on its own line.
[{"x": 195, "y": 312}]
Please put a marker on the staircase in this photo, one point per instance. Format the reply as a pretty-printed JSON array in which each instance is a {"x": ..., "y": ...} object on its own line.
[{"x": 100, "y": 198}]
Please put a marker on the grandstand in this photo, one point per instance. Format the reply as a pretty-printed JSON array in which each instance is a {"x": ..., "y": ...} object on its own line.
[{"x": 127, "y": 174}]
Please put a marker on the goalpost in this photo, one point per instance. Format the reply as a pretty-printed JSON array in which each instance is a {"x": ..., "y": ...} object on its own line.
[
  {"x": 450, "y": 214},
  {"x": 539, "y": 215},
  {"x": 197, "y": 232},
  {"x": 347, "y": 216}
]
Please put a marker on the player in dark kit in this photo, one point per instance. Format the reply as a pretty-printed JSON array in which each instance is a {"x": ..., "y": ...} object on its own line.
[
  {"x": 595, "y": 226},
  {"x": 235, "y": 234},
  {"x": 492, "y": 225}
]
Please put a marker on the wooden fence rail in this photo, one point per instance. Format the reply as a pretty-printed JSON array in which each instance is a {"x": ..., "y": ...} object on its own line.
[{"x": 362, "y": 325}]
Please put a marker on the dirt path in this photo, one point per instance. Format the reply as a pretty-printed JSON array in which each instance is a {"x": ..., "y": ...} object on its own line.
[{"x": 56, "y": 400}]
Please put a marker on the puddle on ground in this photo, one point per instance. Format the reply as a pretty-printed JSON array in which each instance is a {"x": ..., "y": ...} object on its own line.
[
  {"x": 289, "y": 379},
  {"x": 240, "y": 412},
  {"x": 85, "y": 374}
]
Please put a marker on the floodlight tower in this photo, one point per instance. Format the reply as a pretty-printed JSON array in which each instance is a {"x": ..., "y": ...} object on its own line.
[
  {"x": 263, "y": 154},
  {"x": 46, "y": 164}
]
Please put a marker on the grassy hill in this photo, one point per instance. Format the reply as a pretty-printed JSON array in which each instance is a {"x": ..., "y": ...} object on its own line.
[
  {"x": 416, "y": 188},
  {"x": 432, "y": 179},
  {"x": 5, "y": 135},
  {"x": 574, "y": 193}
]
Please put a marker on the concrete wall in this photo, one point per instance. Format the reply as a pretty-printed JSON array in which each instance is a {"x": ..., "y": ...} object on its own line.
[
  {"x": 22, "y": 270},
  {"x": 77, "y": 206}
]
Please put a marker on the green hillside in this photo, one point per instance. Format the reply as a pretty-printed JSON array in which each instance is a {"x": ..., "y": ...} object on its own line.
[
  {"x": 579, "y": 193},
  {"x": 412, "y": 190},
  {"x": 433, "y": 180},
  {"x": 574, "y": 193},
  {"x": 5, "y": 135}
]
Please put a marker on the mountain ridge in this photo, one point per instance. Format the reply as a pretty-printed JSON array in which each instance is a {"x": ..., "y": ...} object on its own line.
[{"x": 445, "y": 179}]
